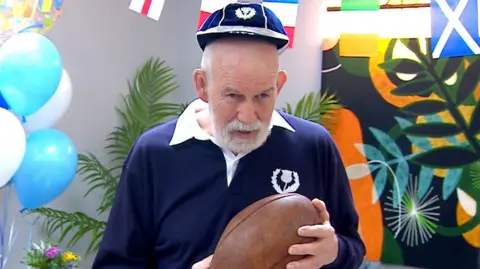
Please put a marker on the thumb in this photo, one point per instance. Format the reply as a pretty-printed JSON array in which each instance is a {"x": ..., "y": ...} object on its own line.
[
  {"x": 322, "y": 211},
  {"x": 203, "y": 264}
]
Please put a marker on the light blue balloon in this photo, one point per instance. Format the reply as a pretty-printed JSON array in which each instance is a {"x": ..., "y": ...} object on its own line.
[
  {"x": 30, "y": 72},
  {"x": 47, "y": 170}
]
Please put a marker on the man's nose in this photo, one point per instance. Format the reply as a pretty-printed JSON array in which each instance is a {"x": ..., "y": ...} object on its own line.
[{"x": 246, "y": 113}]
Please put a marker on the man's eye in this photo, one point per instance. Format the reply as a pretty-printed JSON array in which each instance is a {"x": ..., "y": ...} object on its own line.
[
  {"x": 264, "y": 95},
  {"x": 232, "y": 95}
]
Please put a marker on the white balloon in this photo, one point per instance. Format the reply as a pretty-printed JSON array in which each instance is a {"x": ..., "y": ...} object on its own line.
[
  {"x": 13, "y": 144},
  {"x": 54, "y": 109}
]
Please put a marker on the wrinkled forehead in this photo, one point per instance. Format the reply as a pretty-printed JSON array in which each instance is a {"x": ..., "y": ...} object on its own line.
[
  {"x": 234, "y": 64},
  {"x": 243, "y": 74},
  {"x": 242, "y": 64}
]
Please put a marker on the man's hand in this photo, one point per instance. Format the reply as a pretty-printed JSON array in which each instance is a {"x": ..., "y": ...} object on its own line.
[
  {"x": 203, "y": 264},
  {"x": 323, "y": 250}
]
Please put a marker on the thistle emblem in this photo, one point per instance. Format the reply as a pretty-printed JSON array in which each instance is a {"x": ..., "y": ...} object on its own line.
[{"x": 245, "y": 13}]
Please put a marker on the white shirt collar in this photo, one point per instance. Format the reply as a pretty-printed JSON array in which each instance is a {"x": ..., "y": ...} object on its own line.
[{"x": 187, "y": 126}]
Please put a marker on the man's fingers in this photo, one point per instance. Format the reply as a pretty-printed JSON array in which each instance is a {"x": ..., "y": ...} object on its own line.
[
  {"x": 308, "y": 262},
  {"x": 203, "y": 264},
  {"x": 316, "y": 231},
  {"x": 304, "y": 249},
  {"x": 322, "y": 211}
]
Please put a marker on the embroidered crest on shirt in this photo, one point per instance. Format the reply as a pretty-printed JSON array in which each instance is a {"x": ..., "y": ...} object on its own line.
[
  {"x": 245, "y": 13},
  {"x": 285, "y": 181}
]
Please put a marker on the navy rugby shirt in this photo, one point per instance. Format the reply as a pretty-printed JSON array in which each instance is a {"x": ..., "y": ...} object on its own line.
[{"x": 175, "y": 196}]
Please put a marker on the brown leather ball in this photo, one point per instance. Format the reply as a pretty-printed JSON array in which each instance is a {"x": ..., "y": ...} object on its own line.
[{"x": 260, "y": 235}]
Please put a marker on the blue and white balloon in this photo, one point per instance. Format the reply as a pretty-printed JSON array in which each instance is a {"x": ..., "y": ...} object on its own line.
[
  {"x": 12, "y": 145},
  {"x": 30, "y": 72},
  {"x": 47, "y": 170}
]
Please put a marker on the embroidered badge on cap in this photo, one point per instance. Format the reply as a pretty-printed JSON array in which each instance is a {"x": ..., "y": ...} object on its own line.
[{"x": 245, "y": 13}]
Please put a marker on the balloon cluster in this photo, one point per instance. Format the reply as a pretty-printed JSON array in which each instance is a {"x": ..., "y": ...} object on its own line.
[
  {"x": 35, "y": 92},
  {"x": 17, "y": 16}
]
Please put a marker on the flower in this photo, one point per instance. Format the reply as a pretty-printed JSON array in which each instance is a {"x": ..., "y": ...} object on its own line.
[
  {"x": 69, "y": 256},
  {"x": 48, "y": 256},
  {"x": 52, "y": 252}
]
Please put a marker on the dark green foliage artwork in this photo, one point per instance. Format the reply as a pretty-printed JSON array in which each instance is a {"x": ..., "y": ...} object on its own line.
[{"x": 420, "y": 122}]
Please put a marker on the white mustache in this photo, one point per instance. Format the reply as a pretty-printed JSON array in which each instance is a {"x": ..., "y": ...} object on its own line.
[{"x": 237, "y": 125}]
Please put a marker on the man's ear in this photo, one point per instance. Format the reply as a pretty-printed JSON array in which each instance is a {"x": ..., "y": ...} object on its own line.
[
  {"x": 281, "y": 79},
  {"x": 200, "y": 82}
]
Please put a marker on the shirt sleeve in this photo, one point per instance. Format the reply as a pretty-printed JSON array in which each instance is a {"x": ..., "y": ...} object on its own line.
[
  {"x": 343, "y": 215},
  {"x": 127, "y": 241}
]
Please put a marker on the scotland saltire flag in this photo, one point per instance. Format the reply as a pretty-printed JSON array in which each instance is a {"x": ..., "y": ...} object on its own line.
[{"x": 455, "y": 28}]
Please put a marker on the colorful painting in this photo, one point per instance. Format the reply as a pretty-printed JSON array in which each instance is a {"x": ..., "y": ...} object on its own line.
[{"x": 410, "y": 139}]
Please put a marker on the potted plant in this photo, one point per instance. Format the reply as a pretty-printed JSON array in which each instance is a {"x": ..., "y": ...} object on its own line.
[{"x": 319, "y": 107}]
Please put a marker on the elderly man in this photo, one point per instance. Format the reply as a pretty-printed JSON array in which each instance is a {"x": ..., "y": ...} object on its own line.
[{"x": 184, "y": 180}]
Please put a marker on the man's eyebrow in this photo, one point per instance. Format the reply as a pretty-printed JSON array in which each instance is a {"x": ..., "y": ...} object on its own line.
[
  {"x": 228, "y": 89},
  {"x": 269, "y": 90},
  {"x": 232, "y": 90}
]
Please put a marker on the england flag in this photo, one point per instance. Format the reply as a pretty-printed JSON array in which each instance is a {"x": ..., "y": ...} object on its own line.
[{"x": 150, "y": 8}]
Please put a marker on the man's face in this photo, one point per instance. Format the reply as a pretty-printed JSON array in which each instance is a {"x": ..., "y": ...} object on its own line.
[{"x": 241, "y": 88}]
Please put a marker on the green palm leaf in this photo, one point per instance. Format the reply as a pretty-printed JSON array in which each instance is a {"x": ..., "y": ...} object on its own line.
[
  {"x": 142, "y": 108},
  {"x": 98, "y": 177},
  {"x": 318, "y": 107},
  {"x": 77, "y": 224}
]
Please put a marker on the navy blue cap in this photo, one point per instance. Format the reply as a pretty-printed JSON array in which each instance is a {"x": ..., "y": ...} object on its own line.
[{"x": 252, "y": 20}]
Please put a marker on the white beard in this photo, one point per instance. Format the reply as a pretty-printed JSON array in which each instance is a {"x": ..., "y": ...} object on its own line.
[{"x": 225, "y": 140}]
